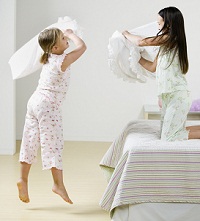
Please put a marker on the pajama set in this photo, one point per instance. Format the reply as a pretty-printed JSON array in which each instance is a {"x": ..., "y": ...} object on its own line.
[
  {"x": 173, "y": 91},
  {"x": 43, "y": 122}
]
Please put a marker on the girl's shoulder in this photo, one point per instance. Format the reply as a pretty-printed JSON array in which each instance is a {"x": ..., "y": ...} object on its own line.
[
  {"x": 57, "y": 58},
  {"x": 55, "y": 61}
]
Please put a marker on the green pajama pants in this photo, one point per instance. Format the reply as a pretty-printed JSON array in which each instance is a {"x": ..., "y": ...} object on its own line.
[{"x": 175, "y": 107}]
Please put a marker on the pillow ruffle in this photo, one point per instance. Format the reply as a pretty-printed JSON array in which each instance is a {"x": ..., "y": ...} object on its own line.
[{"x": 124, "y": 56}]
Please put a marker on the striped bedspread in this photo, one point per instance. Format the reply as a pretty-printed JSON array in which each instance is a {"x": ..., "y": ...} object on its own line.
[{"x": 149, "y": 170}]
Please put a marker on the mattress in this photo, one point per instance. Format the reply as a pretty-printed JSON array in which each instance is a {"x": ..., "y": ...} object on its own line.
[{"x": 157, "y": 212}]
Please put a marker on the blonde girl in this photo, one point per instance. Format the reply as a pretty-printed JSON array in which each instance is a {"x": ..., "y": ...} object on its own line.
[{"x": 43, "y": 122}]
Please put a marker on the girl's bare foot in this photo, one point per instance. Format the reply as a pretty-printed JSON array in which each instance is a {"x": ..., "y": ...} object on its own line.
[
  {"x": 60, "y": 190},
  {"x": 23, "y": 191}
]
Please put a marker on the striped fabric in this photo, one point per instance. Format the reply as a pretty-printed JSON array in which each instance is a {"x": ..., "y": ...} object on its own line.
[{"x": 150, "y": 170}]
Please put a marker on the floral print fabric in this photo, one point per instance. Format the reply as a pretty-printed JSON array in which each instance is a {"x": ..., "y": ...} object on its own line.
[
  {"x": 43, "y": 122},
  {"x": 173, "y": 91}
]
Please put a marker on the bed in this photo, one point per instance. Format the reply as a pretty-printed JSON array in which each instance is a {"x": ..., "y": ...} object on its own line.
[{"x": 151, "y": 180}]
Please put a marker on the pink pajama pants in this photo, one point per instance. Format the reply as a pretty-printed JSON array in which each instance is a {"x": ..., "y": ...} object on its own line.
[{"x": 43, "y": 128}]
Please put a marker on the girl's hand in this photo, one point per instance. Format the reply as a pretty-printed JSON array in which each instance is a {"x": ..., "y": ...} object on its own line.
[
  {"x": 125, "y": 33},
  {"x": 135, "y": 39},
  {"x": 68, "y": 32}
]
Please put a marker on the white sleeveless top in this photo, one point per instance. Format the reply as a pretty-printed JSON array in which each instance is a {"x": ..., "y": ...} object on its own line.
[{"x": 52, "y": 78}]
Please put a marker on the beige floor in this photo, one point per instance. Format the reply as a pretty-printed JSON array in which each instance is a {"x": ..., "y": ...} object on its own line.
[{"x": 83, "y": 178}]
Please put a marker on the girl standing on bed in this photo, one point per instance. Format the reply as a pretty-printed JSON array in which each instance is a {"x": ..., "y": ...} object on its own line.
[
  {"x": 43, "y": 123},
  {"x": 171, "y": 65}
]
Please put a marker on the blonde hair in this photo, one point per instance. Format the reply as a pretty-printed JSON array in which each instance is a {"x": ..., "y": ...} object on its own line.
[{"x": 47, "y": 39}]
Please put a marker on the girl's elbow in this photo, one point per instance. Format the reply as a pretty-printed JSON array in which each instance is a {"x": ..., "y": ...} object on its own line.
[
  {"x": 153, "y": 69},
  {"x": 84, "y": 47},
  {"x": 139, "y": 42}
]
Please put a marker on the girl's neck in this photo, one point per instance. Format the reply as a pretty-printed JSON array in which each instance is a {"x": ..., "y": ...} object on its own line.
[{"x": 58, "y": 53}]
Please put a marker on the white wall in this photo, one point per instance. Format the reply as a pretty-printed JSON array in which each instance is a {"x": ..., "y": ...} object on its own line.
[
  {"x": 99, "y": 104},
  {"x": 7, "y": 85}
]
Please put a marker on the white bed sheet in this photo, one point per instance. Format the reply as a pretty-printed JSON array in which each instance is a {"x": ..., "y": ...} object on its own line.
[{"x": 157, "y": 212}]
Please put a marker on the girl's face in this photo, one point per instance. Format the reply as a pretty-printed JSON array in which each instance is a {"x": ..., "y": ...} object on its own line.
[
  {"x": 62, "y": 44},
  {"x": 160, "y": 22}
]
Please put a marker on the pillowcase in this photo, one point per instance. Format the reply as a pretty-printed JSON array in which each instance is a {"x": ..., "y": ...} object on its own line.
[
  {"x": 26, "y": 60},
  {"x": 123, "y": 56}
]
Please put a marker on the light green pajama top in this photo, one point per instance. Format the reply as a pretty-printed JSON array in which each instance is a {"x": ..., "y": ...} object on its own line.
[{"x": 169, "y": 76}]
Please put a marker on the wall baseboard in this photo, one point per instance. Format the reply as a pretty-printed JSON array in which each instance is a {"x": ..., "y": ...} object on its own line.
[{"x": 7, "y": 152}]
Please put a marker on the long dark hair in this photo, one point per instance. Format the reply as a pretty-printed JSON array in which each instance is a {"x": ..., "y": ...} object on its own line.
[{"x": 176, "y": 40}]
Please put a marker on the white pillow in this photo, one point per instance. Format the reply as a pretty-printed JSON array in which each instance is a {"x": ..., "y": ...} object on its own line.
[
  {"x": 25, "y": 61},
  {"x": 124, "y": 56}
]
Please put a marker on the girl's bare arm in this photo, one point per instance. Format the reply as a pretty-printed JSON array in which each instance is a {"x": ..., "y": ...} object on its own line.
[
  {"x": 148, "y": 65},
  {"x": 140, "y": 41},
  {"x": 76, "y": 53}
]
